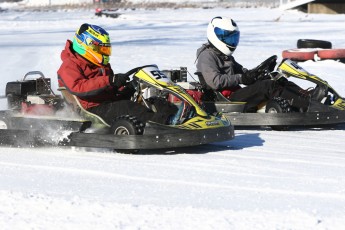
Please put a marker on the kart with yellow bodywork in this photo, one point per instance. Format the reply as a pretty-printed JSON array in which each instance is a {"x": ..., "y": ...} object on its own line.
[
  {"x": 38, "y": 116},
  {"x": 327, "y": 107}
]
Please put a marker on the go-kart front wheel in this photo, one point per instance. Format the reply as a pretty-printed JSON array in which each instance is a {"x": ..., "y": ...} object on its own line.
[
  {"x": 278, "y": 105},
  {"x": 127, "y": 125}
]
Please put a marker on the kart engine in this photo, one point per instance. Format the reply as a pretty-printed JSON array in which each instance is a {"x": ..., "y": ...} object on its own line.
[
  {"x": 33, "y": 96},
  {"x": 179, "y": 75}
]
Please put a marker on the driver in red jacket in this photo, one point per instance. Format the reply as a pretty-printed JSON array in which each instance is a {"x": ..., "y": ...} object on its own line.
[{"x": 86, "y": 72}]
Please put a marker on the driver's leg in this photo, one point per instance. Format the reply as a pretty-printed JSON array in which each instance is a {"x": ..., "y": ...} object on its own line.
[
  {"x": 253, "y": 94},
  {"x": 298, "y": 97}
]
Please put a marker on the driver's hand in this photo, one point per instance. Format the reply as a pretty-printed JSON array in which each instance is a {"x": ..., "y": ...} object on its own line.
[
  {"x": 249, "y": 77},
  {"x": 118, "y": 80}
]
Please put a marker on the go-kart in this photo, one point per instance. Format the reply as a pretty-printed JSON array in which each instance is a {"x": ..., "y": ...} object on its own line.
[
  {"x": 277, "y": 112},
  {"x": 37, "y": 116}
]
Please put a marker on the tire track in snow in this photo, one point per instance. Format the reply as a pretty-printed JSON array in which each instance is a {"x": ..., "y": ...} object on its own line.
[{"x": 256, "y": 190}]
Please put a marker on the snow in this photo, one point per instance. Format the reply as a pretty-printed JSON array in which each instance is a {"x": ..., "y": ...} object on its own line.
[
  {"x": 53, "y": 2},
  {"x": 80, "y": 2},
  {"x": 262, "y": 179}
]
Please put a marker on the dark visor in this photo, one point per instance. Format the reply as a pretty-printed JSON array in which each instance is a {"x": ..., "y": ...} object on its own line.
[{"x": 231, "y": 38}]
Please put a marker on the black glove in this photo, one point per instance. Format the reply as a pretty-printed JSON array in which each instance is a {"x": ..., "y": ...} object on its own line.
[
  {"x": 249, "y": 77},
  {"x": 118, "y": 80}
]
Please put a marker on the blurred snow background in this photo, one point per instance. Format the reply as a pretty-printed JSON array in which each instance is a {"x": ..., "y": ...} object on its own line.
[{"x": 262, "y": 179}]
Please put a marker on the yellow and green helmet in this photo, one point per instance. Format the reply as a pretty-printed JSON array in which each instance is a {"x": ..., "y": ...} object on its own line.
[{"x": 93, "y": 43}]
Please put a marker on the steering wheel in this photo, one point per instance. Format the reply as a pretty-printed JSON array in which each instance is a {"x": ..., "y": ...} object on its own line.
[
  {"x": 131, "y": 86},
  {"x": 266, "y": 67},
  {"x": 136, "y": 69}
]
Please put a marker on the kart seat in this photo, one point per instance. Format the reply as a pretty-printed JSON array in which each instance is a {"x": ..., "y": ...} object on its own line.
[
  {"x": 72, "y": 101},
  {"x": 222, "y": 95}
]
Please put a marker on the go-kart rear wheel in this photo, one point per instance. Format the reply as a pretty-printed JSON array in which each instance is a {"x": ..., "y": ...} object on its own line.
[
  {"x": 5, "y": 122},
  {"x": 278, "y": 105},
  {"x": 127, "y": 125}
]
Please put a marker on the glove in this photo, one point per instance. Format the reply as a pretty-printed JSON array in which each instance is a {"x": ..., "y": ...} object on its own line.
[
  {"x": 118, "y": 80},
  {"x": 249, "y": 77}
]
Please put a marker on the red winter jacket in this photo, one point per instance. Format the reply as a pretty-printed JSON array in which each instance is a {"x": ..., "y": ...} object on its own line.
[{"x": 89, "y": 82}]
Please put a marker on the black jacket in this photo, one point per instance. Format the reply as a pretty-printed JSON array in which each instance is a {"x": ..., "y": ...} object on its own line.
[{"x": 219, "y": 71}]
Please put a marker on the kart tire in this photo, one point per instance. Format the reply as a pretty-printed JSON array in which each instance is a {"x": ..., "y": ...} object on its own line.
[
  {"x": 127, "y": 125},
  {"x": 299, "y": 54},
  {"x": 311, "y": 43},
  {"x": 4, "y": 123},
  {"x": 331, "y": 53},
  {"x": 278, "y": 105}
]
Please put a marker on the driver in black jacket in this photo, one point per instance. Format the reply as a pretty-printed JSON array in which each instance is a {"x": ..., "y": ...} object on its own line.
[{"x": 221, "y": 71}]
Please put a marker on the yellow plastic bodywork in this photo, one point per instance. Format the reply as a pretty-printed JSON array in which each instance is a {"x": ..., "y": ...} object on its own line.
[
  {"x": 339, "y": 104},
  {"x": 202, "y": 120},
  {"x": 289, "y": 68}
]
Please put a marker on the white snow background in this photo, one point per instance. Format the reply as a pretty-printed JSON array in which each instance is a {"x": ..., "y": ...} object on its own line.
[{"x": 262, "y": 179}]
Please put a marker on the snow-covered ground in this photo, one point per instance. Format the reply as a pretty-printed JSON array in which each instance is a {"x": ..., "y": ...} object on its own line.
[{"x": 262, "y": 179}]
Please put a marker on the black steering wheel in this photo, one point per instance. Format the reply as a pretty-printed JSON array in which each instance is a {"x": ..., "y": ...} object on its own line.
[
  {"x": 266, "y": 67},
  {"x": 136, "y": 69},
  {"x": 131, "y": 86}
]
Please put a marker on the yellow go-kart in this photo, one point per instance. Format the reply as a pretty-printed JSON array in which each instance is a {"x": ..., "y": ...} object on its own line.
[
  {"x": 327, "y": 107},
  {"x": 37, "y": 116}
]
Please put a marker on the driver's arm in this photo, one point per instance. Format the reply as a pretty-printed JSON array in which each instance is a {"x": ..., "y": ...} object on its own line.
[
  {"x": 78, "y": 82},
  {"x": 217, "y": 74}
]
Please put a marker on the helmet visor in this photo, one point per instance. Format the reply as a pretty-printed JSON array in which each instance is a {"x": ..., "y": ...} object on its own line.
[
  {"x": 104, "y": 49},
  {"x": 230, "y": 38}
]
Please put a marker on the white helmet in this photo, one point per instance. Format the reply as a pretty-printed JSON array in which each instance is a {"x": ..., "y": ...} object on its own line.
[{"x": 223, "y": 33}]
